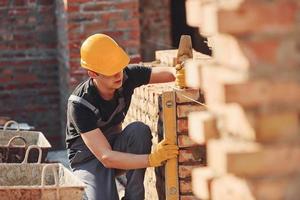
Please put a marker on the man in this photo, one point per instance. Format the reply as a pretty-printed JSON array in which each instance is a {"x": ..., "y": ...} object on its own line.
[{"x": 98, "y": 148}]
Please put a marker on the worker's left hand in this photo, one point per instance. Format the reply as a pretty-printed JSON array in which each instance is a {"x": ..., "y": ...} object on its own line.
[{"x": 163, "y": 151}]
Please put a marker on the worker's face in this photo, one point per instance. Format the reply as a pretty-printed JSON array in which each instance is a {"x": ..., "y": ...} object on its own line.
[{"x": 110, "y": 82}]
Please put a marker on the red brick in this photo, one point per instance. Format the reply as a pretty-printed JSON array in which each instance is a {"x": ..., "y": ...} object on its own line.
[
  {"x": 5, "y": 79},
  {"x": 99, "y": 6},
  {"x": 185, "y": 171},
  {"x": 4, "y": 3},
  {"x": 25, "y": 78},
  {"x": 131, "y": 5},
  {"x": 125, "y": 24},
  {"x": 73, "y": 8},
  {"x": 193, "y": 155},
  {"x": 182, "y": 125},
  {"x": 80, "y": 17},
  {"x": 19, "y": 12},
  {"x": 134, "y": 34},
  {"x": 185, "y": 187},
  {"x": 112, "y": 16},
  {"x": 19, "y": 2},
  {"x": 94, "y": 27},
  {"x": 185, "y": 141}
]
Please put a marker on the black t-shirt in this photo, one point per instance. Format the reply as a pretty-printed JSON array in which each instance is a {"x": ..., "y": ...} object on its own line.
[{"x": 81, "y": 119}]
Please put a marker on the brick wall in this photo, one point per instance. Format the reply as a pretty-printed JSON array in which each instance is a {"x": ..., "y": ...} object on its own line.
[
  {"x": 85, "y": 17},
  {"x": 155, "y": 28},
  {"x": 146, "y": 106},
  {"x": 252, "y": 125},
  {"x": 28, "y": 67}
]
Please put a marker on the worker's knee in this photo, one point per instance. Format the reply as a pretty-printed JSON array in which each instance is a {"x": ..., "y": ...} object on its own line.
[
  {"x": 139, "y": 129},
  {"x": 140, "y": 133}
]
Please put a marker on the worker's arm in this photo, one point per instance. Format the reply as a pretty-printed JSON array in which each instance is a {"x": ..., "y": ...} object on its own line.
[
  {"x": 162, "y": 74},
  {"x": 99, "y": 146}
]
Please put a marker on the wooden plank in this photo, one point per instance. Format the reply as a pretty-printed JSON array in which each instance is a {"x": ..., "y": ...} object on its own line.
[{"x": 169, "y": 122}]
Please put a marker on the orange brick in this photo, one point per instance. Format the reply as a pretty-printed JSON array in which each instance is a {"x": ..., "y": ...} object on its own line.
[
  {"x": 184, "y": 110},
  {"x": 185, "y": 96}
]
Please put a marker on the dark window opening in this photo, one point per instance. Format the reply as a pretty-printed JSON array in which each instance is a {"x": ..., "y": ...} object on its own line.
[{"x": 179, "y": 27}]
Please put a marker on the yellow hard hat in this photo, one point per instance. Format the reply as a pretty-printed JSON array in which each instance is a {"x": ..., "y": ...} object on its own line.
[{"x": 101, "y": 54}]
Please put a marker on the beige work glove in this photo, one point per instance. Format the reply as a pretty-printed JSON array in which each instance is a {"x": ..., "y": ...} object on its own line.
[{"x": 163, "y": 151}]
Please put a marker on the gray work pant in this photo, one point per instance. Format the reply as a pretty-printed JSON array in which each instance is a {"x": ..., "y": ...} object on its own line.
[{"x": 100, "y": 181}]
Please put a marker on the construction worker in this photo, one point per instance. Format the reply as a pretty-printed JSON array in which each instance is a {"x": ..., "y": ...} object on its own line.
[{"x": 98, "y": 148}]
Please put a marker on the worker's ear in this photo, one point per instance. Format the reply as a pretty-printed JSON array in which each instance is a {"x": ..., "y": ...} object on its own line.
[{"x": 92, "y": 74}]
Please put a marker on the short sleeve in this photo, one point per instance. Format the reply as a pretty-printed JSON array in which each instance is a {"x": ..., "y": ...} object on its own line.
[
  {"x": 139, "y": 75},
  {"x": 82, "y": 118}
]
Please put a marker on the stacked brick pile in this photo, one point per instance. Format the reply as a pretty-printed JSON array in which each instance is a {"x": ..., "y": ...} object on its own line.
[
  {"x": 146, "y": 106},
  {"x": 252, "y": 90}
]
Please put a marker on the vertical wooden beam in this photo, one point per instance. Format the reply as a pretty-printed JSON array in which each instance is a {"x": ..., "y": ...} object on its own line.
[{"x": 171, "y": 168}]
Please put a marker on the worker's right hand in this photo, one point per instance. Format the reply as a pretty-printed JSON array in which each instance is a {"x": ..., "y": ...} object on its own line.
[{"x": 163, "y": 151}]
